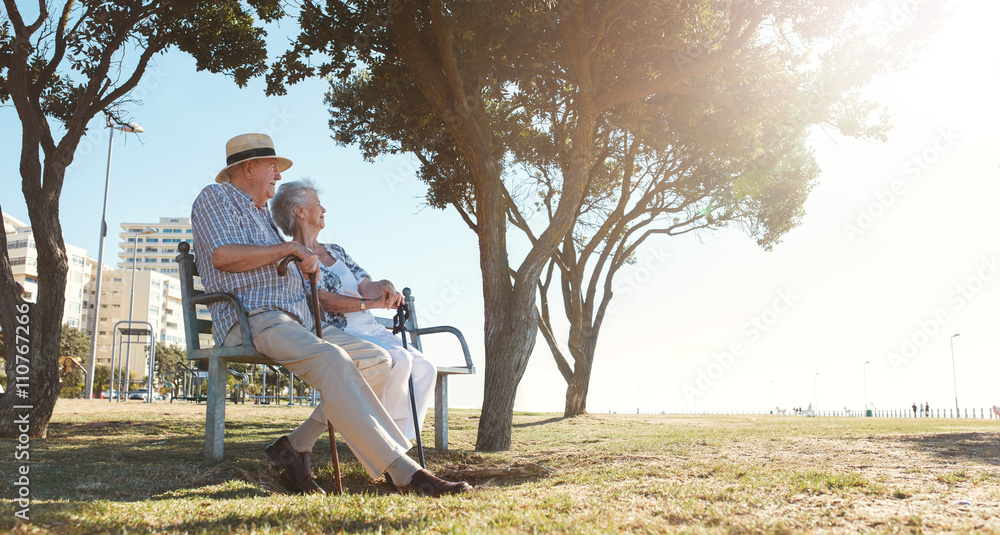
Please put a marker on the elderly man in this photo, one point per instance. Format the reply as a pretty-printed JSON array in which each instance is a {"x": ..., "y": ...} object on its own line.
[{"x": 238, "y": 249}]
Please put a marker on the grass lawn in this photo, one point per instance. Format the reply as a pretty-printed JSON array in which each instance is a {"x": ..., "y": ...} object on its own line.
[{"x": 136, "y": 468}]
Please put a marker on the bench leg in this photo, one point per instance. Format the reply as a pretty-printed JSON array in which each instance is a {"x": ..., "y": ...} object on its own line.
[
  {"x": 441, "y": 413},
  {"x": 215, "y": 410}
]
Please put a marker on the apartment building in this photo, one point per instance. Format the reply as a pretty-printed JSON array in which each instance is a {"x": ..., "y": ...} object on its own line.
[
  {"x": 24, "y": 264},
  {"x": 157, "y": 250},
  {"x": 155, "y": 299}
]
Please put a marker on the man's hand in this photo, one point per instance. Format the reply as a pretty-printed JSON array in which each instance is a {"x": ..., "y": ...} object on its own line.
[{"x": 309, "y": 262}]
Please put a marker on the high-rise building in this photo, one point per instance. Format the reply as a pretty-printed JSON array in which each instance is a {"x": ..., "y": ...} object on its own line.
[
  {"x": 153, "y": 252},
  {"x": 24, "y": 265},
  {"x": 155, "y": 299}
]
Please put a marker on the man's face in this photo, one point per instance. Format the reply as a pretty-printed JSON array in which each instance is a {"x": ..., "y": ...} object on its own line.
[{"x": 264, "y": 176}]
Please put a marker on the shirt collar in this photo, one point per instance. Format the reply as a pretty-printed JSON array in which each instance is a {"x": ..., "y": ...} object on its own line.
[{"x": 243, "y": 196}]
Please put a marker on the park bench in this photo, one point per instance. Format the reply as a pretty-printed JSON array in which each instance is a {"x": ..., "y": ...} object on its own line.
[{"x": 217, "y": 358}]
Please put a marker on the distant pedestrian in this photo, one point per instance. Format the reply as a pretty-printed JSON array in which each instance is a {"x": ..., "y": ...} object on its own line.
[
  {"x": 927, "y": 409},
  {"x": 914, "y": 410}
]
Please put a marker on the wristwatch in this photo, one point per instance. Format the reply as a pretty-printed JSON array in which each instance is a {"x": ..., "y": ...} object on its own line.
[{"x": 362, "y": 305}]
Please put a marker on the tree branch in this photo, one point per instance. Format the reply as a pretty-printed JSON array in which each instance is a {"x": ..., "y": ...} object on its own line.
[
  {"x": 465, "y": 217},
  {"x": 57, "y": 55}
]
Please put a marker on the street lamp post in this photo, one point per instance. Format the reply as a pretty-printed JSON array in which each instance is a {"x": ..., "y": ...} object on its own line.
[
  {"x": 130, "y": 127},
  {"x": 865, "y": 371},
  {"x": 954, "y": 376},
  {"x": 131, "y": 298}
]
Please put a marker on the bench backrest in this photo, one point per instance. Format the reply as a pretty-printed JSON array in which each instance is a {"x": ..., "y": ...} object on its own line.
[
  {"x": 193, "y": 325},
  {"x": 246, "y": 352}
]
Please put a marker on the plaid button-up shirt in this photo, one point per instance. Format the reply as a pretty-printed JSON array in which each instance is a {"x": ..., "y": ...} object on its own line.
[{"x": 222, "y": 215}]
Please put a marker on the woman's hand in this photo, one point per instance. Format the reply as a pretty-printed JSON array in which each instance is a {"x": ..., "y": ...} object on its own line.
[{"x": 382, "y": 294}]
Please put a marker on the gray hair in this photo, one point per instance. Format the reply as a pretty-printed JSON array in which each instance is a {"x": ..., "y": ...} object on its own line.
[{"x": 288, "y": 197}]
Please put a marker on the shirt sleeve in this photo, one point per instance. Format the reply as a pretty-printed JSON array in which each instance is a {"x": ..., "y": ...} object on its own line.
[{"x": 215, "y": 221}]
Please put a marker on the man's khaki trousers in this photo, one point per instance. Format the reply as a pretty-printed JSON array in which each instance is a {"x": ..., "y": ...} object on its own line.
[{"x": 337, "y": 366}]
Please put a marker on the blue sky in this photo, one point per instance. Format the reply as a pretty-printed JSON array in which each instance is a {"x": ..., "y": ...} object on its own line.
[{"x": 898, "y": 250}]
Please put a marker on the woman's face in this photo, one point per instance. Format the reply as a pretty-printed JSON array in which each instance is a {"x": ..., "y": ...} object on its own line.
[{"x": 313, "y": 212}]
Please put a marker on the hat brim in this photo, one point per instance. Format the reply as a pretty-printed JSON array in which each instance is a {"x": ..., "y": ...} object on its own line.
[{"x": 283, "y": 165}]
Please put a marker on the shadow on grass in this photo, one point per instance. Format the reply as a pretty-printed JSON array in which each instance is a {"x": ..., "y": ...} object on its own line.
[
  {"x": 138, "y": 459},
  {"x": 160, "y": 457},
  {"x": 547, "y": 421},
  {"x": 977, "y": 447}
]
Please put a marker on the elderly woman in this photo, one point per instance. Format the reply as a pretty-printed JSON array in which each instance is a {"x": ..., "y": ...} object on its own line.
[{"x": 347, "y": 295}]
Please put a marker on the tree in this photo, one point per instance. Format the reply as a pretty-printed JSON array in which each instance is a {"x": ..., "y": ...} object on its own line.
[
  {"x": 169, "y": 358},
  {"x": 102, "y": 378},
  {"x": 482, "y": 91},
  {"x": 73, "y": 342},
  {"x": 668, "y": 191},
  {"x": 74, "y": 345},
  {"x": 66, "y": 66}
]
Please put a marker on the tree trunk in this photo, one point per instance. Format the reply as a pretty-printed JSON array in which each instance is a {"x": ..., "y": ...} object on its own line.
[
  {"x": 511, "y": 322},
  {"x": 40, "y": 325},
  {"x": 577, "y": 390},
  {"x": 506, "y": 359}
]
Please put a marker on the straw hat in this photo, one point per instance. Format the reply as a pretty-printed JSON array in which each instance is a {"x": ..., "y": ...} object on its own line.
[{"x": 250, "y": 147}]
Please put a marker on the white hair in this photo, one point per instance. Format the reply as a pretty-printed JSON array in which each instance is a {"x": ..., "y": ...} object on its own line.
[{"x": 289, "y": 196}]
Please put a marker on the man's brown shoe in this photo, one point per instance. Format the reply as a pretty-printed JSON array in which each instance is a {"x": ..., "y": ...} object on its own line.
[
  {"x": 428, "y": 485},
  {"x": 296, "y": 465}
]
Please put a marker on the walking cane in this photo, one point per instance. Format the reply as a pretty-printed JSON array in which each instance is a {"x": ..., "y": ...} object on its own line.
[
  {"x": 399, "y": 326},
  {"x": 317, "y": 319}
]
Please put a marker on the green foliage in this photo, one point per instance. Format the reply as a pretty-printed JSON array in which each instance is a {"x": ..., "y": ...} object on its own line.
[
  {"x": 169, "y": 358},
  {"x": 102, "y": 378},
  {"x": 73, "y": 343},
  {"x": 709, "y": 110},
  {"x": 68, "y": 67}
]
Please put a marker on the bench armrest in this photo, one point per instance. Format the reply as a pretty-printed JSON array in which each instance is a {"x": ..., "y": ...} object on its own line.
[
  {"x": 447, "y": 329},
  {"x": 241, "y": 312}
]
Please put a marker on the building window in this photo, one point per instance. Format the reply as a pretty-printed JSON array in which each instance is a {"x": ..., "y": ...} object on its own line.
[{"x": 19, "y": 261}]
